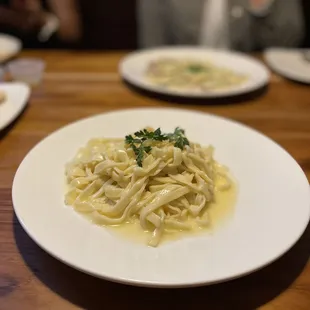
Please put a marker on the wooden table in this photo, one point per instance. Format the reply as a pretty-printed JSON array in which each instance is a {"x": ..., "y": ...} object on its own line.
[{"x": 77, "y": 85}]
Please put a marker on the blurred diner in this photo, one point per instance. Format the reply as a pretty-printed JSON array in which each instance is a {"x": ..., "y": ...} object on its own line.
[
  {"x": 245, "y": 25},
  {"x": 236, "y": 24}
]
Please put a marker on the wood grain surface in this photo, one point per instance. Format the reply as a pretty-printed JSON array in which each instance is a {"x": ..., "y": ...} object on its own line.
[{"x": 77, "y": 85}]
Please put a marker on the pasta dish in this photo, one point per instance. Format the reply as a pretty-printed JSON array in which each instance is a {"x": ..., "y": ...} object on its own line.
[
  {"x": 188, "y": 74},
  {"x": 162, "y": 180}
]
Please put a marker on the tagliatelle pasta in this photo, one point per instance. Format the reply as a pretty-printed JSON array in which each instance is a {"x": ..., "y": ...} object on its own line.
[{"x": 165, "y": 181}]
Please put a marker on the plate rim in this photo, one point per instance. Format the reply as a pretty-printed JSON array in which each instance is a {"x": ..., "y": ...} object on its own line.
[
  {"x": 280, "y": 71},
  {"x": 16, "y": 41},
  {"x": 169, "y": 92},
  {"x": 151, "y": 283},
  {"x": 18, "y": 111}
]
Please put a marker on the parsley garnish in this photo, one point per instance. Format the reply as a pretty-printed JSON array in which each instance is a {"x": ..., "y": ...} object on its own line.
[
  {"x": 137, "y": 141},
  {"x": 196, "y": 68}
]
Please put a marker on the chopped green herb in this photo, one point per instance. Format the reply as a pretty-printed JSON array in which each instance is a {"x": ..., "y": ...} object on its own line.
[
  {"x": 137, "y": 141},
  {"x": 178, "y": 137},
  {"x": 196, "y": 68}
]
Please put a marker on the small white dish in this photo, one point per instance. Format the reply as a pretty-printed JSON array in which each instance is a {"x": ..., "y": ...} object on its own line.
[
  {"x": 272, "y": 209},
  {"x": 16, "y": 98},
  {"x": 132, "y": 68},
  {"x": 28, "y": 70},
  {"x": 9, "y": 46},
  {"x": 290, "y": 63}
]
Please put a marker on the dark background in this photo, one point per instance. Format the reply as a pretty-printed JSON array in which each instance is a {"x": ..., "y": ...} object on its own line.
[
  {"x": 112, "y": 25},
  {"x": 306, "y": 7}
]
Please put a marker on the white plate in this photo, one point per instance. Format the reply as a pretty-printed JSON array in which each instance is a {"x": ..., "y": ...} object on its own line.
[
  {"x": 17, "y": 95},
  {"x": 132, "y": 68},
  {"x": 289, "y": 62},
  {"x": 272, "y": 211},
  {"x": 9, "y": 46}
]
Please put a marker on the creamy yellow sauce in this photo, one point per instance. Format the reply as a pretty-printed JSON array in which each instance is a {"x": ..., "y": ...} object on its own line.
[{"x": 219, "y": 211}]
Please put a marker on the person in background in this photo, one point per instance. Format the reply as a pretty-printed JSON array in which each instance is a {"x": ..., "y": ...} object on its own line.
[
  {"x": 36, "y": 22},
  {"x": 109, "y": 24},
  {"x": 244, "y": 25}
]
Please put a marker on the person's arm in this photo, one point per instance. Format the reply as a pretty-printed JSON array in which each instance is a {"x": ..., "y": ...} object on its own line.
[
  {"x": 282, "y": 26},
  {"x": 67, "y": 13},
  {"x": 26, "y": 22},
  {"x": 151, "y": 23},
  {"x": 26, "y": 5}
]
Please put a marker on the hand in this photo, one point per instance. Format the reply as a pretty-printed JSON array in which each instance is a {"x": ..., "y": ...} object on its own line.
[
  {"x": 70, "y": 28},
  {"x": 23, "y": 21},
  {"x": 27, "y": 15},
  {"x": 32, "y": 21}
]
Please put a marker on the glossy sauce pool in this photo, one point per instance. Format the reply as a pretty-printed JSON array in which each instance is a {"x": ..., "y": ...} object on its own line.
[{"x": 219, "y": 211}]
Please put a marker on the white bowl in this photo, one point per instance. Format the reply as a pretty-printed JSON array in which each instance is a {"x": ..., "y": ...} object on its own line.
[{"x": 28, "y": 70}]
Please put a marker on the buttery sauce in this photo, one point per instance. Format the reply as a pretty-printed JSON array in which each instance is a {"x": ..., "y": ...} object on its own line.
[{"x": 219, "y": 212}]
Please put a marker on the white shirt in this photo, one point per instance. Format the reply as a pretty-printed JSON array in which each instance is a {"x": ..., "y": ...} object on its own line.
[
  {"x": 211, "y": 22},
  {"x": 214, "y": 30}
]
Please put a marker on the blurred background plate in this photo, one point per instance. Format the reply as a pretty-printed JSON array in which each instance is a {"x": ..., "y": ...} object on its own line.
[
  {"x": 9, "y": 47},
  {"x": 293, "y": 64},
  {"x": 16, "y": 99},
  {"x": 132, "y": 68}
]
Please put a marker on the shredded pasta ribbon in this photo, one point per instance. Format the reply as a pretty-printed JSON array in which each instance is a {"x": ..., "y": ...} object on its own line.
[{"x": 172, "y": 188}]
